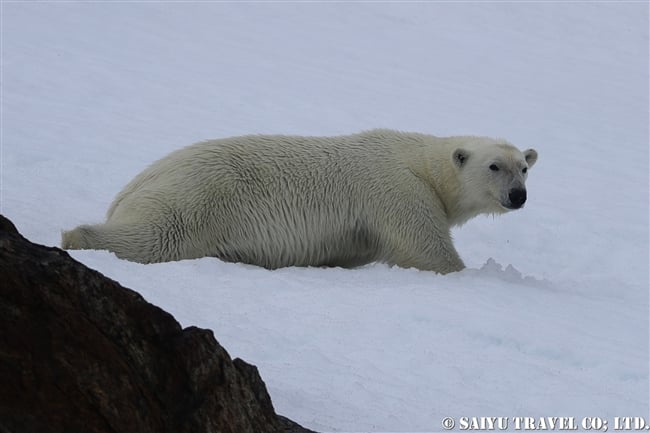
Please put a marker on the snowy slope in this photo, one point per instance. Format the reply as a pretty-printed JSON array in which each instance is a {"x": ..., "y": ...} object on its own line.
[{"x": 555, "y": 324}]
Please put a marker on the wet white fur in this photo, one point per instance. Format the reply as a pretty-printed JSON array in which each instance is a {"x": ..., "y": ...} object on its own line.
[{"x": 277, "y": 201}]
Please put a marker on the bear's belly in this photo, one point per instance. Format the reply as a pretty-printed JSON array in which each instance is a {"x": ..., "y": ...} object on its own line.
[{"x": 282, "y": 246}]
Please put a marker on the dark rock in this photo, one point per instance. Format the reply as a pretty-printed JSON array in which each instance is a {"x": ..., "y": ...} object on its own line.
[{"x": 80, "y": 353}]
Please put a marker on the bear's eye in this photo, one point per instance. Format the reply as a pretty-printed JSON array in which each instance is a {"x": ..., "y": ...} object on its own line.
[
  {"x": 524, "y": 170},
  {"x": 494, "y": 167}
]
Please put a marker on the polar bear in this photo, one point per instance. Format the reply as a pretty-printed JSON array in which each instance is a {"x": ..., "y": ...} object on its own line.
[{"x": 276, "y": 201}]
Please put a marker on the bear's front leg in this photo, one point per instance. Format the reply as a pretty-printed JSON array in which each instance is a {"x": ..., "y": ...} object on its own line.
[
  {"x": 414, "y": 238},
  {"x": 427, "y": 253}
]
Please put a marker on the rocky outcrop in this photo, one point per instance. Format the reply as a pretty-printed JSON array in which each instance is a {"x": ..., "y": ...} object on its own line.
[{"x": 80, "y": 353}]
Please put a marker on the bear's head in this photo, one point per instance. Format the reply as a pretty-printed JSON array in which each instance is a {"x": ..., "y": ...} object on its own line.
[{"x": 492, "y": 177}]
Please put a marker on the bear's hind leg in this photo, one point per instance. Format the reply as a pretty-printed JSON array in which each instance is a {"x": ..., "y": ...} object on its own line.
[{"x": 134, "y": 242}]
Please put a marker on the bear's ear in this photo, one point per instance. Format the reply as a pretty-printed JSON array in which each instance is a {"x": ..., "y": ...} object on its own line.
[
  {"x": 460, "y": 157},
  {"x": 531, "y": 157}
]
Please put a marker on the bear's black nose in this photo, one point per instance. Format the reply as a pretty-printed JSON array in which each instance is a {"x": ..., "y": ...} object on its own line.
[{"x": 517, "y": 198}]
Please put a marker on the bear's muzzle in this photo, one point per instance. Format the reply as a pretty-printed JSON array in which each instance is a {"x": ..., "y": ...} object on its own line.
[{"x": 517, "y": 198}]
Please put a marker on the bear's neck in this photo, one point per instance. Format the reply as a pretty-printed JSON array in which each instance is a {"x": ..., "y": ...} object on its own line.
[{"x": 443, "y": 179}]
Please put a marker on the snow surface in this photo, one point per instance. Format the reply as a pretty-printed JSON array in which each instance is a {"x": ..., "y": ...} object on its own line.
[{"x": 551, "y": 316}]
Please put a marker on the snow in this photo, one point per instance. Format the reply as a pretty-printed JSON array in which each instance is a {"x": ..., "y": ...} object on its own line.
[{"x": 551, "y": 316}]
